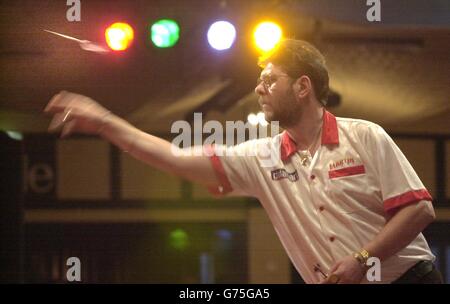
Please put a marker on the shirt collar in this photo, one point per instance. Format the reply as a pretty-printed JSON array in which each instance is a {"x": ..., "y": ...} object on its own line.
[{"x": 330, "y": 136}]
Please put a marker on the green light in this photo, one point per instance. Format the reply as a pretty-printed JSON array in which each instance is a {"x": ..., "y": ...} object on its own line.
[
  {"x": 179, "y": 239},
  {"x": 15, "y": 135},
  {"x": 165, "y": 33}
]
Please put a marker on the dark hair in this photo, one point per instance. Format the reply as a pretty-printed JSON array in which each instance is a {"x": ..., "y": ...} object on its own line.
[{"x": 297, "y": 58}]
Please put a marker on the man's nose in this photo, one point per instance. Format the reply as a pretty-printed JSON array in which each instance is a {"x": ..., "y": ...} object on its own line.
[{"x": 259, "y": 89}]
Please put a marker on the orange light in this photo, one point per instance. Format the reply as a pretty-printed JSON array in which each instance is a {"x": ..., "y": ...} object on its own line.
[
  {"x": 119, "y": 36},
  {"x": 267, "y": 35}
]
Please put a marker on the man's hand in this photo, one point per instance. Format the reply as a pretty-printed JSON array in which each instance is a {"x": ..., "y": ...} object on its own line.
[
  {"x": 75, "y": 113},
  {"x": 346, "y": 271}
]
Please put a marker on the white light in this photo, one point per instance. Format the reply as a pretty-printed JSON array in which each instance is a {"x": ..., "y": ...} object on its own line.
[
  {"x": 261, "y": 119},
  {"x": 252, "y": 119},
  {"x": 221, "y": 35}
]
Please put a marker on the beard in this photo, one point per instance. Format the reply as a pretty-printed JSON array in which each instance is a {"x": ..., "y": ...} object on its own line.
[{"x": 286, "y": 110}]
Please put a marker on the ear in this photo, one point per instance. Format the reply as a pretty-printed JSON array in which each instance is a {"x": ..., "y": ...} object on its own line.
[{"x": 303, "y": 86}]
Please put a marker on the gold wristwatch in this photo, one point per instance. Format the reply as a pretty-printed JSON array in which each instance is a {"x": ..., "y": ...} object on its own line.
[{"x": 362, "y": 256}]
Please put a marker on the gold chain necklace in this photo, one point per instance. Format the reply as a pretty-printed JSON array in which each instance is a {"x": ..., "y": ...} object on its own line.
[{"x": 305, "y": 154}]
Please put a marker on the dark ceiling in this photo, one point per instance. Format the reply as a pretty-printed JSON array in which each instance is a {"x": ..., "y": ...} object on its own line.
[{"x": 395, "y": 72}]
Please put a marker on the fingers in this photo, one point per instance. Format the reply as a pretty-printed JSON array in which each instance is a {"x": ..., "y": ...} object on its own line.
[
  {"x": 68, "y": 129},
  {"x": 59, "y": 105},
  {"x": 53, "y": 105},
  {"x": 56, "y": 122},
  {"x": 60, "y": 102},
  {"x": 70, "y": 111},
  {"x": 334, "y": 278},
  {"x": 334, "y": 268},
  {"x": 67, "y": 115},
  {"x": 60, "y": 119}
]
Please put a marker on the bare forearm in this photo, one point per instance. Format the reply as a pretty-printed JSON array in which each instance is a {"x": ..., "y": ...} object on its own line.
[
  {"x": 77, "y": 113},
  {"x": 157, "y": 152},
  {"x": 401, "y": 230}
]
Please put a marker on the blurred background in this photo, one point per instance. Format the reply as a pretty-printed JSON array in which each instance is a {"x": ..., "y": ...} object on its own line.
[{"x": 127, "y": 223}]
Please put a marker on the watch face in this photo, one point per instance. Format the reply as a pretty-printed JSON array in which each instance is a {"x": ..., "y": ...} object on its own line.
[{"x": 365, "y": 254}]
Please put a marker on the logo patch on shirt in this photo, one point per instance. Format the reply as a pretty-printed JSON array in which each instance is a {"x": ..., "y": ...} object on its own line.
[
  {"x": 345, "y": 167},
  {"x": 348, "y": 171},
  {"x": 346, "y": 162},
  {"x": 280, "y": 174}
]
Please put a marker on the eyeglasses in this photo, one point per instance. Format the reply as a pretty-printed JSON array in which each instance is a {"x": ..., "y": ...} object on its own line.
[{"x": 269, "y": 80}]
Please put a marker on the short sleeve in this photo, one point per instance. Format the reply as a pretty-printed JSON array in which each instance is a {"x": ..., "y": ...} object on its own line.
[
  {"x": 398, "y": 181},
  {"x": 235, "y": 169}
]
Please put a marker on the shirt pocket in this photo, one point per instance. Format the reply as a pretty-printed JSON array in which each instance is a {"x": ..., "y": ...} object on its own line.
[{"x": 347, "y": 188}]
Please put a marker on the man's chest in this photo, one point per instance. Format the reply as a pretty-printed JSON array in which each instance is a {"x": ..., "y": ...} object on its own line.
[
  {"x": 339, "y": 178},
  {"x": 325, "y": 165}
]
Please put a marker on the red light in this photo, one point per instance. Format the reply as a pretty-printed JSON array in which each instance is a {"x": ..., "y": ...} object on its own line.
[{"x": 119, "y": 36}]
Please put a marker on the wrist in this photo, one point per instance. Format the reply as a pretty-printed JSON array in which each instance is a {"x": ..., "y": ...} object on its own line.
[
  {"x": 103, "y": 122},
  {"x": 361, "y": 257}
]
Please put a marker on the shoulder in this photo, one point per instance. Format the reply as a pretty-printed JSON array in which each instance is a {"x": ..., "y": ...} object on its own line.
[
  {"x": 357, "y": 124},
  {"x": 251, "y": 147},
  {"x": 363, "y": 129}
]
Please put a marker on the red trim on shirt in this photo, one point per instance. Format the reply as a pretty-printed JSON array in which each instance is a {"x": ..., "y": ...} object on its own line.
[
  {"x": 347, "y": 171},
  {"x": 220, "y": 173},
  {"x": 288, "y": 146},
  {"x": 330, "y": 136},
  {"x": 406, "y": 198}
]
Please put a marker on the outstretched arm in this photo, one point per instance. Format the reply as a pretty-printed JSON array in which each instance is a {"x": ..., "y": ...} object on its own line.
[{"x": 74, "y": 113}]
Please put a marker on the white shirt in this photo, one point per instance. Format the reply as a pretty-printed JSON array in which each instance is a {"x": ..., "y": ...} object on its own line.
[{"x": 335, "y": 204}]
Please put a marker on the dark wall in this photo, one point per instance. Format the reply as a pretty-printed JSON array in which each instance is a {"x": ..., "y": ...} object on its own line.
[{"x": 11, "y": 211}]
